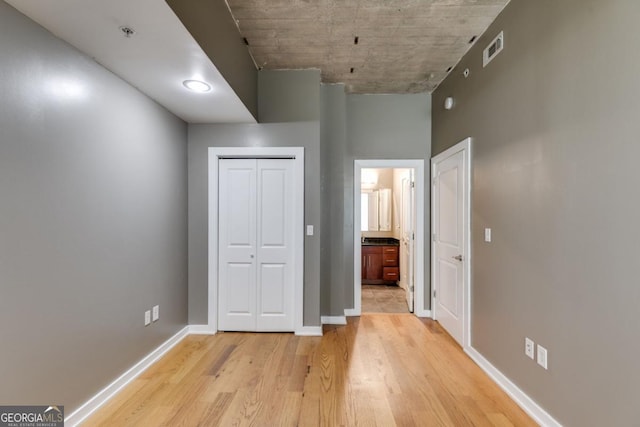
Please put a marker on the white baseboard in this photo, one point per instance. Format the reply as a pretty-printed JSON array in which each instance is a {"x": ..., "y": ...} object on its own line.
[
  {"x": 333, "y": 320},
  {"x": 201, "y": 330},
  {"x": 534, "y": 410},
  {"x": 91, "y": 405},
  {"x": 310, "y": 331},
  {"x": 423, "y": 313},
  {"x": 351, "y": 312}
]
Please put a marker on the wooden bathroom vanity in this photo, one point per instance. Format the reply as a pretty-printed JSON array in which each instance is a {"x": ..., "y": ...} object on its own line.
[{"x": 380, "y": 264}]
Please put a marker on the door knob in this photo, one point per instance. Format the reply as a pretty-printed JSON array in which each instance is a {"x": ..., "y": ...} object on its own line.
[
  {"x": 459, "y": 257},
  {"x": 251, "y": 256}
]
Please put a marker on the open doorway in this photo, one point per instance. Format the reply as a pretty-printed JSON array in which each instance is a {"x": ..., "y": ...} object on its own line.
[
  {"x": 387, "y": 212},
  {"x": 388, "y": 236}
]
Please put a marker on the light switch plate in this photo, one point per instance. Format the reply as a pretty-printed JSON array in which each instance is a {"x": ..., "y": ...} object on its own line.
[
  {"x": 155, "y": 313},
  {"x": 542, "y": 356},
  {"x": 309, "y": 230},
  {"x": 487, "y": 235},
  {"x": 147, "y": 318}
]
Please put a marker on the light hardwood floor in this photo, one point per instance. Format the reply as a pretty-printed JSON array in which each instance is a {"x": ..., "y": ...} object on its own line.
[{"x": 379, "y": 370}]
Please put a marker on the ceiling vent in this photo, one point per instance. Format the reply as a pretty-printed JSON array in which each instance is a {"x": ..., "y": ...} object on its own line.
[{"x": 494, "y": 48}]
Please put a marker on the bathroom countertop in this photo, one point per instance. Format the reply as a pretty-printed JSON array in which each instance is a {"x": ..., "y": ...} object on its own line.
[{"x": 380, "y": 241}]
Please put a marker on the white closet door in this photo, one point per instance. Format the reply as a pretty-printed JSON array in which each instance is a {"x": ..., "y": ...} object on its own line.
[
  {"x": 256, "y": 291},
  {"x": 275, "y": 296},
  {"x": 237, "y": 245}
]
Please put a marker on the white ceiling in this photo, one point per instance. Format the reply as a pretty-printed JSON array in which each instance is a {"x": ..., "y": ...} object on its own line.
[{"x": 156, "y": 60}]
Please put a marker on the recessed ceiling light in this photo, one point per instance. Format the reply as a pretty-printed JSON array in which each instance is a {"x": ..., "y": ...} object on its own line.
[{"x": 197, "y": 85}]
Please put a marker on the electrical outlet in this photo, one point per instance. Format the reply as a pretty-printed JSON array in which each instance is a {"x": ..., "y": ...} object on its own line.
[
  {"x": 487, "y": 235},
  {"x": 529, "y": 348},
  {"x": 147, "y": 318},
  {"x": 542, "y": 356},
  {"x": 155, "y": 313}
]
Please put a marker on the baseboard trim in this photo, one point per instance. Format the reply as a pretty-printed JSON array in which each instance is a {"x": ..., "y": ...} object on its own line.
[
  {"x": 310, "y": 331},
  {"x": 333, "y": 320},
  {"x": 534, "y": 410},
  {"x": 103, "y": 396},
  {"x": 423, "y": 313},
  {"x": 351, "y": 312},
  {"x": 201, "y": 330}
]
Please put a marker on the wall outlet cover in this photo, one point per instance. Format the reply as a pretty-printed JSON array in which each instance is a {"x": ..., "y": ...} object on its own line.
[
  {"x": 529, "y": 348},
  {"x": 147, "y": 318},
  {"x": 155, "y": 313}
]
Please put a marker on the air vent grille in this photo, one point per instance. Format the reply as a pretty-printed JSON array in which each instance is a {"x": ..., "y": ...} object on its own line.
[{"x": 494, "y": 48}]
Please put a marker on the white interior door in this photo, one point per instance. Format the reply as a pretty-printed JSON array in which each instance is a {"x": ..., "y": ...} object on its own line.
[
  {"x": 255, "y": 249},
  {"x": 408, "y": 239},
  {"x": 449, "y": 172}
]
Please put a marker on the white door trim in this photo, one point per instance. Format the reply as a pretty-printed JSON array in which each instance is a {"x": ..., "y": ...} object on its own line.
[
  {"x": 418, "y": 166},
  {"x": 297, "y": 154},
  {"x": 465, "y": 147}
]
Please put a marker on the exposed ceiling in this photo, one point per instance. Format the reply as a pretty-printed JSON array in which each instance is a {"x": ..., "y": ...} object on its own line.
[
  {"x": 403, "y": 46},
  {"x": 156, "y": 59}
]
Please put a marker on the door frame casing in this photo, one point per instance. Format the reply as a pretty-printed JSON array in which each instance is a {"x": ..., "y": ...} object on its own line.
[
  {"x": 297, "y": 156},
  {"x": 419, "y": 286},
  {"x": 465, "y": 147}
]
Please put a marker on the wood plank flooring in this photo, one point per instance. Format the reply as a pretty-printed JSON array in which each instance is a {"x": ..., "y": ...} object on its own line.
[{"x": 379, "y": 370}]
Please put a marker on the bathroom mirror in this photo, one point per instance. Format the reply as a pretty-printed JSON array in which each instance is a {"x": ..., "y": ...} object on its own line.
[{"x": 375, "y": 209}]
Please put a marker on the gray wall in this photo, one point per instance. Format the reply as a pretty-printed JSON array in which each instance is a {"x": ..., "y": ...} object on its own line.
[
  {"x": 297, "y": 134},
  {"x": 555, "y": 125},
  {"x": 373, "y": 127},
  {"x": 333, "y": 139},
  {"x": 211, "y": 24},
  {"x": 288, "y": 96},
  {"x": 93, "y": 220}
]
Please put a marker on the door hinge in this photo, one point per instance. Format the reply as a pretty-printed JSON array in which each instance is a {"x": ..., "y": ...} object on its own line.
[
  {"x": 413, "y": 236},
  {"x": 433, "y": 182},
  {"x": 433, "y": 237},
  {"x": 434, "y": 293},
  {"x": 411, "y": 288},
  {"x": 413, "y": 184}
]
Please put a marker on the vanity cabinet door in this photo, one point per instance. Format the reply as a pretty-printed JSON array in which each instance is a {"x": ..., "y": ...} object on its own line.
[
  {"x": 374, "y": 267},
  {"x": 372, "y": 263}
]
